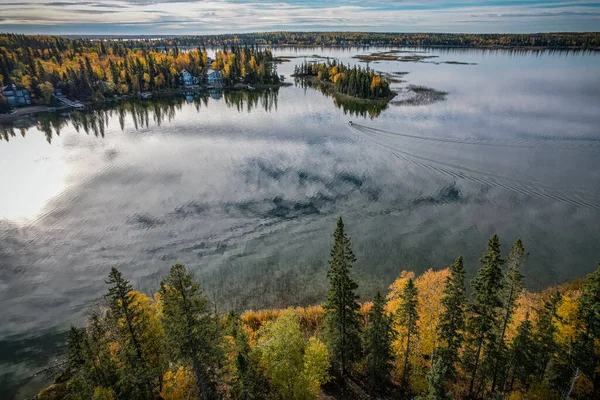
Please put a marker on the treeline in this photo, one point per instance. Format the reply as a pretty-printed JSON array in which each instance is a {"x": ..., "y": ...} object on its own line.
[
  {"x": 563, "y": 40},
  {"x": 94, "y": 70},
  {"x": 356, "y": 81},
  {"x": 429, "y": 338}
]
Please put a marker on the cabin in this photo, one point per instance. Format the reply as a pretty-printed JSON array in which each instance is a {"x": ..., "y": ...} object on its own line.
[
  {"x": 188, "y": 79},
  {"x": 16, "y": 95},
  {"x": 214, "y": 77}
]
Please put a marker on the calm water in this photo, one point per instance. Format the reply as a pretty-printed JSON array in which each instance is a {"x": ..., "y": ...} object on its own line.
[{"x": 245, "y": 189}]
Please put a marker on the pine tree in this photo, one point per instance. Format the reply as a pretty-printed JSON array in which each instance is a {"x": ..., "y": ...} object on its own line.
[
  {"x": 452, "y": 321},
  {"x": 342, "y": 326},
  {"x": 377, "y": 345},
  {"x": 191, "y": 329},
  {"x": 408, "y": 320},
  {"x": 514, "y": 287},
  {"x": 487, "y": 289}
]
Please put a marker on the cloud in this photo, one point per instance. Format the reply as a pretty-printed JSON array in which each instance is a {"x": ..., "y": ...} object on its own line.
[{"x": 222, "y": 16}]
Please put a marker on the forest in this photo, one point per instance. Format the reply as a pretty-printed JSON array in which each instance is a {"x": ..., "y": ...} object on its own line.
[
  {"x": 355, "y": 81},
  {"x": 95, "y": 70},
  {"x": 557, "y": 40},
  {"x": 431, "y": 336}
]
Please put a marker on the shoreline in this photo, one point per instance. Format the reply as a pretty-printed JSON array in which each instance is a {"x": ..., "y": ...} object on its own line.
[{"x": 34, "y": 110}]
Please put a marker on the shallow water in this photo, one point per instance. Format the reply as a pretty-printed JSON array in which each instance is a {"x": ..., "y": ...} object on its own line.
[{"x": 245, "y": 189}]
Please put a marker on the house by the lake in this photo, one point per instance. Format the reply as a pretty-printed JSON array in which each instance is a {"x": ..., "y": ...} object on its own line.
[
  {"x": 16, "y": 95},
  {"x": 188, "y": 79},
  {"x": 214, "y": 77}
]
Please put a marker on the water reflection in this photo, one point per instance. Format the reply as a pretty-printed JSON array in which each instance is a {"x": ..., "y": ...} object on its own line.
[
  {"x": 350, "y": 106},
  {"x": 143, "y": 113}
]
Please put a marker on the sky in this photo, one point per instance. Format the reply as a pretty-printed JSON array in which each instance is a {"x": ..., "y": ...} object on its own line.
[{"x": 174, "y": 17}]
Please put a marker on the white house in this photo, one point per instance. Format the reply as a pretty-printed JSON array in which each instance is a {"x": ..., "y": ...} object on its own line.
[
  {"x": 214, "y": 77},
  {"x": 188, "y": 79}
]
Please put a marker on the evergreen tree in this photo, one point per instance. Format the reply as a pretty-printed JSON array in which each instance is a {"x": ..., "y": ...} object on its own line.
[
  {"x": 377, "y": 346},
  {"x": 408, "y": 320},
  {"x": 435, "y": 382},
  {"x": 75, "y": 345},
  {"x": 342, "y": 326},
  {"x": 514, "y": 287},
  {"x": 523, "y": 354},
  {"x": 452, "y": 320},
  {"x": 586, "y": 355},
  {"x": 120, "y": 301},
  {"x": 192, "y": 332},
  {"x": 487, "y": 289},
  {"x": 545, "y": 333}
]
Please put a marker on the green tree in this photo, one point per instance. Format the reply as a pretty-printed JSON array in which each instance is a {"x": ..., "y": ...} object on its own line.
[
  {"x": 191, "y": 329},
  {"x": 436, "y": 378},
  {"x": 46, "y": 89},
  {"x": 377, "y": 346},
  {"x": 487, "y": 301},
  {"x": 512, "y": 291},
  {"x": 523, "y": 355},
  {"x": 296, "y": 368},
  {"x": 124, "y": 315},
  {"x": 586, "y": 355},
  {"x": 545, "y": 333},
  {"x": 408, "y": 319},
  {"x": 342, "y": 326},
  {"x": 452, "y": 320}
]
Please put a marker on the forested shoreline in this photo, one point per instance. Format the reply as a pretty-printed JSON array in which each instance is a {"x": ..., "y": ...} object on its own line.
[
  {"x": 432, "y": 336},
  {"x": 553, "y": 40},
  {"x": 97, "y": 70}
]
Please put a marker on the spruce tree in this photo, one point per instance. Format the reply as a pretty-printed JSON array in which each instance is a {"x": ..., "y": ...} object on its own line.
[
  {"x": 377, "y": 345},
  {"x": 514, "y": 287},
  {"x": 487, "y": 301},
  {"x": 585, "y": 355},
  {"x": 545, "y": 334},
  {"x": 120, "y": 301},
  {"x": 523, "y": 354},
  {"x": 191, "y": 329},
  {"x": 452, "y": 320},
  {"x": 408, "y": 320},
  {"x": 436, "y": 378},
  {"x": 342, "y": 325}
]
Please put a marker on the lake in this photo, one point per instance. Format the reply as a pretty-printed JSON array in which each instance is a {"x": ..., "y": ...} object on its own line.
[{"x": 245, "y": 189}]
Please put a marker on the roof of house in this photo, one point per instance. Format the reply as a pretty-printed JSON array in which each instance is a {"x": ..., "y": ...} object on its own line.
[
  {"x": 212, "y": 71},
  {"x": 12, "y": 87}
]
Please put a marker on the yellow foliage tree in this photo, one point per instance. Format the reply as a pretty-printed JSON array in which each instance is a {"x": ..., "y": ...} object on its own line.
[{"x": 179, "y": 385}]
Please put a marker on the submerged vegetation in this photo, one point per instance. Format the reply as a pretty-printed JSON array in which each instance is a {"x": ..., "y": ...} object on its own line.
[
  {"x": 430, "y": 337},
  {"x": 414, "y": 95}
]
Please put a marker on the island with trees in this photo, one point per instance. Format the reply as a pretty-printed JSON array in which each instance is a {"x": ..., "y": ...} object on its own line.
[
  {"x": 355, "y": 82},
  {"x": 432, "y": 336}
]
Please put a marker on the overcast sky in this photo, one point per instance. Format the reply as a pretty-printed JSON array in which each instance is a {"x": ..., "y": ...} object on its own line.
[{"x": 164, "y": 17}]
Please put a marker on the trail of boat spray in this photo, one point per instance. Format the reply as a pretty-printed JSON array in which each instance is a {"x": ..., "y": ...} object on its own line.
[
  {"x": 486, "y": 179},
  {"x": 528, "y": 144}
]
